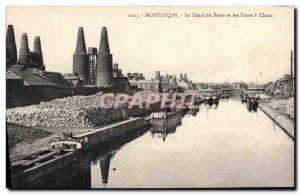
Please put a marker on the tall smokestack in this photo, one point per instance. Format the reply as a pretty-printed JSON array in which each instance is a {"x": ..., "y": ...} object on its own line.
[
  {"x": 104, "y": 44},
  {"x": 80, "y": 58},
  {"x": 174, "y": 79},
  {"x": 11, "y": 49},
  {"x": 37, "y": 48},
  {"x": 190, "y": 84},
  {"x": 129, "y": 76},
  {"x": 180, "y": 77},
  {"x": 166, "y": 79},
  {"x": 80, "y": 45},
  {"x": 157, "y": 75},
  {"x": 104, "y": 62},
  {"x": 171, "y": 80},
  {"x": 116, "y": 66},
  {"x": 185, "y": 78},
  {"x": 24, "y": 54}
]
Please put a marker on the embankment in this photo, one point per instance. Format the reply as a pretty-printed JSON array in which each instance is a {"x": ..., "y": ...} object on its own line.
[
  {"x": 32, "y": 176},
  {"x": 287, "y": 124}
]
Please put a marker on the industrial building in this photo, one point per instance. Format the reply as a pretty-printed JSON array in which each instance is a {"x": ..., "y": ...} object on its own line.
[
  {"x": 27, "y": 58},
  {"x": 147, "y": 85},
  {"x": 28, "y": 82},
  {"x": 116, "y": 71},
  {"x": 94, "y": 72},
  {"x": 169, "y": 83},
  {"x": 81, "y": 58},
  {"x": 26, "y": 79},
  {"x": 11, "y": 48},
  {"x": 90, "y": 67},
  {"x": 135, "y": 76}
]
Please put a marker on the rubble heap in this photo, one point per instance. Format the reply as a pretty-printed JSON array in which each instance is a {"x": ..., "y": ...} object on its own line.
[
  {"x": 290, "y": 107},
  {"x": 76, "y": 111},
  {"x": 278, "y": 104},
  {"x": 284, "y": 104}
]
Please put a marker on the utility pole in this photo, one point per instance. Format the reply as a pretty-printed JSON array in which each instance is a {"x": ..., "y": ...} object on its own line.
[{"x": 256, "y": 84}]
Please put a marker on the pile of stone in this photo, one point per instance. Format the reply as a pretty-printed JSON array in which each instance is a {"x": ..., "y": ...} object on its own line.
[
  {"x": 290, "y": 107},
  {"x": 284, "y": 104},
  {"x": 278, "y": 104},
  {"x": 76, "y": 111}
]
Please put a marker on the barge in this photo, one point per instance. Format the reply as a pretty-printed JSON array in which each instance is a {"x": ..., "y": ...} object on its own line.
[
  {"x": 165, "y": 123},
  {"x": 28, "y": 170},
  {"x": 252, "y": 104}
]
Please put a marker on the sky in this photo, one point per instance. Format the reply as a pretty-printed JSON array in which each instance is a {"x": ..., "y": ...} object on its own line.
[{"x": 216, "y": 49}]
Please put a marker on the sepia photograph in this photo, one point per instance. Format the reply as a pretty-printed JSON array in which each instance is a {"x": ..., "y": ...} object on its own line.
[{"x": 150, "y": 97}]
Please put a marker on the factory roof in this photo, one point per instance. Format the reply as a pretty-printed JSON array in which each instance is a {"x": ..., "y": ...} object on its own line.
[
  {"x": 71, "y": 76},
  {"x": 120, "y": 80},
  {"x": 257, "y": 87},
  {"x": 56, "y": 78},
  {"x": 183, "y": 84},
  {"x": 120, "y": 83},
  {"x": 285, "y": 78},
  {"x": 31, "y": 70},
  {"x": 12, "y": 75},
  {"x": 143, "y": 81},
  {"x": 34, "y": 76},
  {"x": 169, "y": 86},
  {"x": 17, "y": 67},
  {"x": 32, "y": 79}
]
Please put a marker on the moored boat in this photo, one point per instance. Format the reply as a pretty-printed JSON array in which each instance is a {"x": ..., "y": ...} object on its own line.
[
  {"x": 208, "y": 100},
  {"x": 244, "y": 99},
  {"x": 252, "y": 104},
  {"x": 56, "y": 149},
  {"x": 215, "y": 100}
]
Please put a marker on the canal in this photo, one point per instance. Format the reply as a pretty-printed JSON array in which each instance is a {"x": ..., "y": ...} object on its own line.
[{"x": 227, "y": 146}]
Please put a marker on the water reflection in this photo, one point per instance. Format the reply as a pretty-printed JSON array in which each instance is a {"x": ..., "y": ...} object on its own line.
[
  {"x": 214, "y": 104},
  {"x": 104, "y": 165},
  {"x": 227, "y": 148},
  {"x": 164, "y": 126},
  {"x": 162, "y": 130},
  {"x": 103, "y": 159},
  {"x": 212, "y": 101}
]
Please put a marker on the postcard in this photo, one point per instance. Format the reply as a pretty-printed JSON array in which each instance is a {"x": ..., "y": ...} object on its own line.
[{"x": 150, "y": 97}]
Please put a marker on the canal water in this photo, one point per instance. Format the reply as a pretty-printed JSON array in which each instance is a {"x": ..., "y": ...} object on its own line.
[{"x": 225, "y": 146}]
